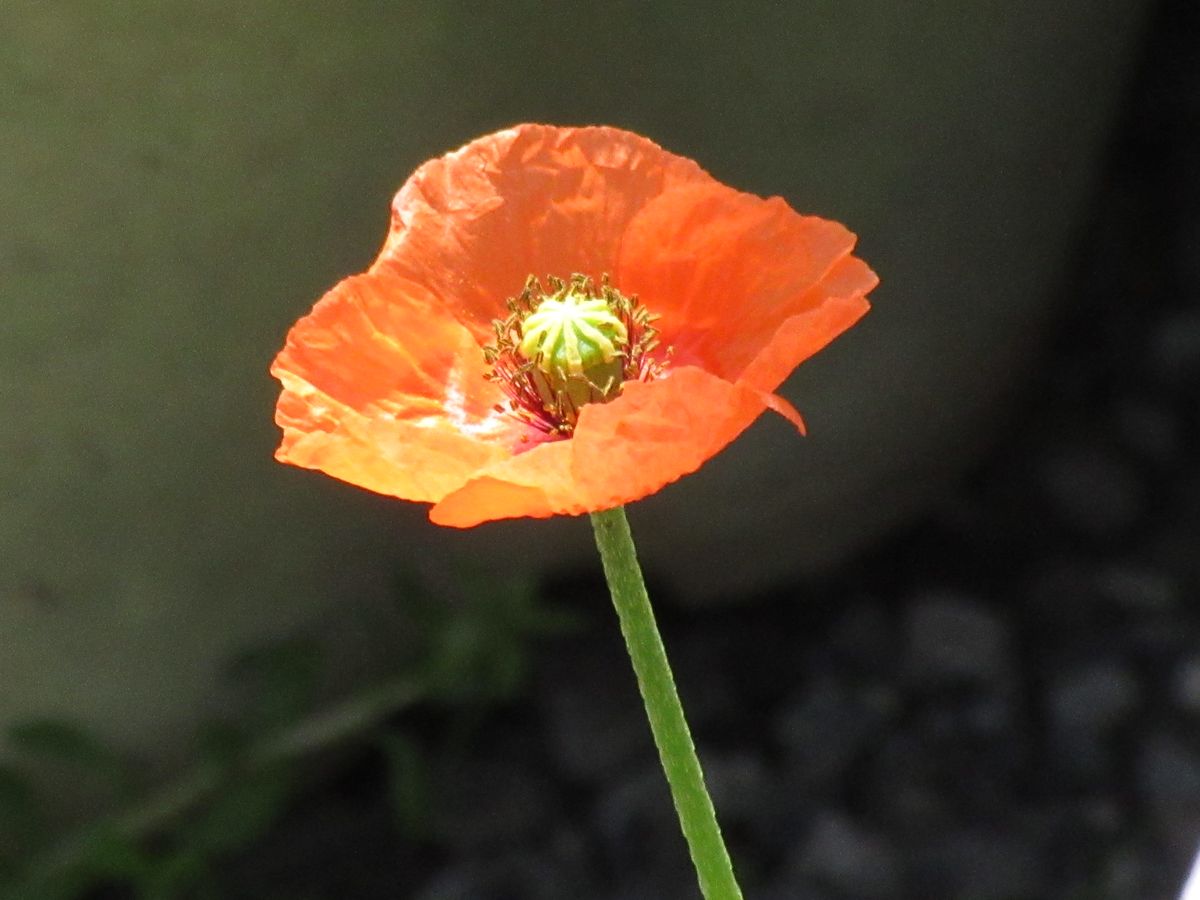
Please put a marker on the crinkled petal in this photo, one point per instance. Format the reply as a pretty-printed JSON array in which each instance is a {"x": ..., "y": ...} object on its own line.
[
  {"x": 471, "y": 226},
  {"x": 384, "y": 390},
  {"x": 651, "y": 435},
  {"x": 537, "y": 483},
  {"x": 723, "y": 269},
  {"x": 803, "y": 335},
  {"x": 422, "y": 463}
]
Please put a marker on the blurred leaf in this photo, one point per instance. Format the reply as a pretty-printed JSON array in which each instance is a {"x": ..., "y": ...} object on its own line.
[
  {"x": 64, "y": 743},
  {"x": 66, "y": 886},
  {"x": 519, "y": 601},
  {"x": 408, "y": 785},
  {"x": 21, "y": 823},
  {"x": 222, "y": 743},
  {"x": 242, "y": 812},
  {"x": 105, "y": 856},
  {"x": 174, "y": 876},
  {"x": 282, "y": 680},
  {"x": 478, "y": 646},
  {"x": 109, "y": 855}
]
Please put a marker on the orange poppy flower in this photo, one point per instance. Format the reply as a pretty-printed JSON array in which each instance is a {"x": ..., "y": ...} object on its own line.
[{"x": 387, "y": 383}]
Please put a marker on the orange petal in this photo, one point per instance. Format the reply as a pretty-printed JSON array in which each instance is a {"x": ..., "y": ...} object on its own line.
[
  {"x": 537, "y": 483},
  {"x": 799, "y": 337},
  {"x": 723, "y": 269},
  {"x": 471, "y": 226},
  {"x": 384, "y": 391},
  {"x": 658, "y": 433},
  {"x": 651, "y": 435}
]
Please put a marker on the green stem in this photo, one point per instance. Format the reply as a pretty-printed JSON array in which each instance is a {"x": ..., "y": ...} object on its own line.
[{"x": 667, "y": 722}]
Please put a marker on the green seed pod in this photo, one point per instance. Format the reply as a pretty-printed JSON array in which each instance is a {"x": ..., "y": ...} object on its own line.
[{"x": 578, "y": 346}]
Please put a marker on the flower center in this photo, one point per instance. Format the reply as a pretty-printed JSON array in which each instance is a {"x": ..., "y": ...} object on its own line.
[
  {"x": 577, "y": 346},
  {"x": 578, "y": 343}
]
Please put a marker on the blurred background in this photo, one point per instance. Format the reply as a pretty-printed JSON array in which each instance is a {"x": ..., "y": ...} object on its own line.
[{"x": 947, "y": 646}]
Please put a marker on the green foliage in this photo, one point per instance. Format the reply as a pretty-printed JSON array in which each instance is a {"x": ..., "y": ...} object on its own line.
[
  {"x": 67, "y": 746},
  {"x": 281, "y": 680},
  {"x": 185, "y": 872},
  {"x": 21, "y": 823},
  {"x": 109, "y": 855},
  {"x": 408, "y": 784},
  {"x": 243, "y": 811},
  {"x": 476, "y": 643},
  {"x": 222, "y": 743},
  {"x": 167, "y": 844}
]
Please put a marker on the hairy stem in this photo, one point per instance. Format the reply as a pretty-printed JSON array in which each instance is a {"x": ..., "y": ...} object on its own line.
[{"x": 675, "y": 748}]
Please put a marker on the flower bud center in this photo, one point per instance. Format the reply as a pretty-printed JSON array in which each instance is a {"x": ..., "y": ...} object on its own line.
[{"x": 575, "y": 344}]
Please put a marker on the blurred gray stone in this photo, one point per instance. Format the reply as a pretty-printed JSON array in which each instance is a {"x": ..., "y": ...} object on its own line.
[
  {"x": 1137, "y": 588},
  {"x": 592, "y": 713},
  {"x": 1150, "y": 429},
  {"x": 1079, "y": 761},
  {"x": 1167, "y": 775},
  {"x": 1189, "y": 243},
  {"x": 1185, "y": 684},
  {"x": 790, "y": 889},
  {"x": 635, "y": 820},
  {"x": 993, "y": 714},
  {"x": 654, "y": 885},
  {"x": 1104, "y": 813},
  {"x": 970, "y": 770},
  {"x": 1084, "y": 707},
  {"x": 1092, "y": 698},
  {"x": 1167, "y": 780},
  {"x": 1061, "y": 597},
  {"x": 1175, "y": 348},
  {"x": 980, "y": 864},
  {"x": 901, "y": 784},
  {"x": 485, "y": 802},
  {"x": 1092, "y": 490},
  {"x": 826, "y": 728},
  {"x": 459, "y": 882},
  {"x": 951, "y": 638},
  {"x": 863, "y": 638},
  {"x": 1123, "y": 873},
  {"x": 846, "y": 857},
  {"x": 741, "y": 786},
  {"x": 707, "y": 686},
  {"x": 522, "y": 875}
]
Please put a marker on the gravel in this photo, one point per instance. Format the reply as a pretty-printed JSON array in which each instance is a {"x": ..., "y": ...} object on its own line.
[
  {"x": 828, "y": 727},
  {"x": 1185, "y": 685},
  {"x": 951, "y": 639},
  {"x": 1093, "y": 699},
  {"x": 849, "y": 859}
]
